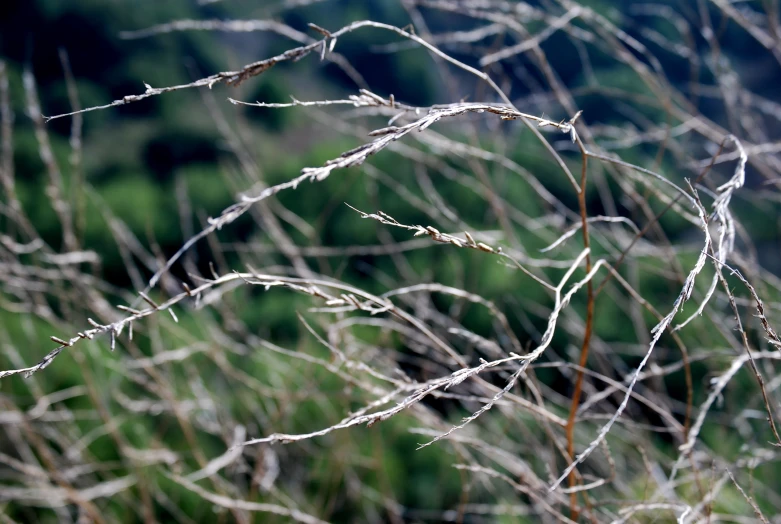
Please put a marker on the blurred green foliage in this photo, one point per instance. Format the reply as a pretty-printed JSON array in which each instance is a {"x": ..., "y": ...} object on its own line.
[{"x": 134, "y": 157}]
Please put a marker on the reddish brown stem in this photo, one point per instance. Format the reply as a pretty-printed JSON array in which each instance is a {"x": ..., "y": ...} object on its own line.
[{"x": 570, "y": 429}]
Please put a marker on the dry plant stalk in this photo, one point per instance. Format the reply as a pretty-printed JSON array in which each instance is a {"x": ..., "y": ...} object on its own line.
[{"x": 603, "y": 425}]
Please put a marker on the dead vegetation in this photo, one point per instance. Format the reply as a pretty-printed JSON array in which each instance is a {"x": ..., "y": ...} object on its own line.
[{"x": 620, "y": 436}]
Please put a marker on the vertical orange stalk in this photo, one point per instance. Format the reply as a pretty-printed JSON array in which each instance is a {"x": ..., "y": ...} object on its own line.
[{"x": 586, "y": 336}]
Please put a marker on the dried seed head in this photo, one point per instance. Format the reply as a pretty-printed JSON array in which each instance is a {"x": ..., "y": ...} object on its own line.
[{"x": 384, "y": 131}]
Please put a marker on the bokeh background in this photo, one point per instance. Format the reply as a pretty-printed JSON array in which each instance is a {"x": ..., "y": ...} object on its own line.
[{"x": 146, "y": 176}]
